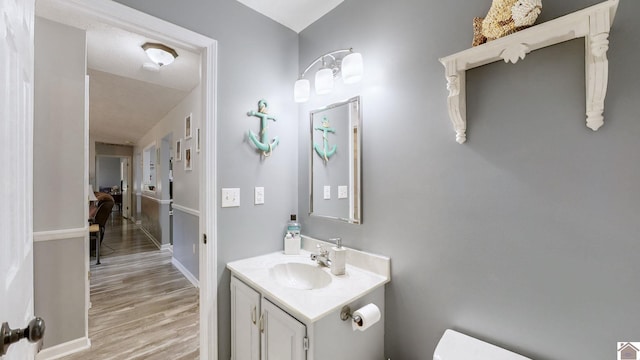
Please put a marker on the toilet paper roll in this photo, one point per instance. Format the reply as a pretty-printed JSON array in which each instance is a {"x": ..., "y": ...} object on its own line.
[{"x": 369, "y": 315}]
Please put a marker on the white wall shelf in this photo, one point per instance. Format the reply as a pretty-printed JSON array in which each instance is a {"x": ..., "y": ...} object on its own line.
[{"x": 592, "y": 23}]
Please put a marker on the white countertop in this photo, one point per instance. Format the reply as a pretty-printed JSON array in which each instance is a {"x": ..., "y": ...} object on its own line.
[{"x": 309, "y": 305}]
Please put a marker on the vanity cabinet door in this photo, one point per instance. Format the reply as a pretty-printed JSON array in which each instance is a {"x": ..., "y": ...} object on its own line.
[
  {"x": 283, "y": 337},
  {"x": 245, "y": 321}
]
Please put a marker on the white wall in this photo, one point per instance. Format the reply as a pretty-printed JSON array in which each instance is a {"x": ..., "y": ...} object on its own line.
[
  {"x": 185, "y": 183},
  {"x": 154, "y": 217},
  {"x": 59, "y": 181}
]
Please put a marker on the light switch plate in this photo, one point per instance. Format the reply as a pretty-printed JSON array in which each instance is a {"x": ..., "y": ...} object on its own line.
[
  {"x": 230, "y": 197},
  {"x": 259, "y": 195},
  {"x": 343, "y": 192},
  {"x": 327, "y": 192}
]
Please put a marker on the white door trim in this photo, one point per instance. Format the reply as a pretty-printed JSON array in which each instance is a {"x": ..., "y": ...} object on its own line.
[{"x": 118, "y": 15}]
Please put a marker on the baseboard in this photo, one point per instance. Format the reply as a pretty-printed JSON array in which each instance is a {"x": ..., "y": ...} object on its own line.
[
  {"x": 167, "y": 247},
  {"x": 185, "y": 272},
  {"x": 64, "y": 349},
  {"x": 151, "y": 237}
]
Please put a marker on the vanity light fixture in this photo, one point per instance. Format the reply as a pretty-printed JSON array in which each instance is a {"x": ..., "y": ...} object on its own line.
[
  {"x": 345, "y": 62},
  {"x": 159, "y": 53}
]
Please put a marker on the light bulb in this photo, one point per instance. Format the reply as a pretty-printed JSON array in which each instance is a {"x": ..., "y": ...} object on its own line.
[
  {"x": 301, "y": 90},
  {"x": 324, "y": 81},
  {"x": 352, "y": 68}
]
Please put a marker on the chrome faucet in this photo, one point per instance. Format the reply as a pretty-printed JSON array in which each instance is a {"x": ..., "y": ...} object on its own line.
[{"x": 322, "y": 258}]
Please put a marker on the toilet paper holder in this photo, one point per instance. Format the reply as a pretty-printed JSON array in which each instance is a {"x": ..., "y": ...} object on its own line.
[{"x": 346, "y": 314}]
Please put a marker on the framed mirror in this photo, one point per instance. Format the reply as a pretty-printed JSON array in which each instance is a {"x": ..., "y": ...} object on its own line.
[{"x": 336, "y": 162}]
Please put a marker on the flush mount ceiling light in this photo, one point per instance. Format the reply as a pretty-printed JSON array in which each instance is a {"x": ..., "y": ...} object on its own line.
[
  {"x": 159, "y": 54},
  {"x": 335, "y": 63}
]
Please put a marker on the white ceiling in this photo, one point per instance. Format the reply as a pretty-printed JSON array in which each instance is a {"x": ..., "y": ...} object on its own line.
[
  {"x": 122, "y": 110},
  {"x": 294, "y": 14},
  {"x": 125, "y": 101}
]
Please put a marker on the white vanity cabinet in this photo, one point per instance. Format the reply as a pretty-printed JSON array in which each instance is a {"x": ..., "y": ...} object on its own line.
[
  {"x": 283, "y": 337},
  {"x": 287, "y": 307},
  {"x": 245, "y": 322},
  {"x": 261, "y": 330}
]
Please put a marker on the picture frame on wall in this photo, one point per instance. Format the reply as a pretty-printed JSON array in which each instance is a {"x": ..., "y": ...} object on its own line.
[
  {"x": 179, "y": 150},
  {"x": 187, "y": 159},
  {"x": 198, "y": 140},
  {"x": 187, "y": 127}
]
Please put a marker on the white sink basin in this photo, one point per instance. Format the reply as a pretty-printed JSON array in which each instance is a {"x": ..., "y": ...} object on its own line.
[{"x": 300, "y": 276}]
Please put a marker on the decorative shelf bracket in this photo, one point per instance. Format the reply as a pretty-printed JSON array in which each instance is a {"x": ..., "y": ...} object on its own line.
[{"x": 592, "y": 23}]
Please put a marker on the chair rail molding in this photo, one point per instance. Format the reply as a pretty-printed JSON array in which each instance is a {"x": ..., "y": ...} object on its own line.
[{"x": 592, "y": 23}]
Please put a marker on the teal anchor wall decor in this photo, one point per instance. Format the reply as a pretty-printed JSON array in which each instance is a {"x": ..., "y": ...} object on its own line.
[
  {"x": 325, "y": 153},
  {"x": 263, "y": 144}
]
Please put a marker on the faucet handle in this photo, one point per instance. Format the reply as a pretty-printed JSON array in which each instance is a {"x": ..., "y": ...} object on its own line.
[
  {"x": 338, "y": 241},
  {"x": 322, "y": 249}
]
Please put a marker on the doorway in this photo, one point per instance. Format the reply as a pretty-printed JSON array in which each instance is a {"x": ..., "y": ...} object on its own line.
[
  {"x": 114, "y": 14},
  {"x": 113, "y": 176}
]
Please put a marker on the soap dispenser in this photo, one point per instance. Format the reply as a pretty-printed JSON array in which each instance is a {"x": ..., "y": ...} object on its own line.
[
  {"x": 292, "y": 238},
  {"x": 338, "y": 258}
]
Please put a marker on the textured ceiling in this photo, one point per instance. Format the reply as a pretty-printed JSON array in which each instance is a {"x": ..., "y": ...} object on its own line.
[
  {"x": 125, "y": 101},
  {"x": 294, "y": 14},
  {"x": 122, "y": 110}
]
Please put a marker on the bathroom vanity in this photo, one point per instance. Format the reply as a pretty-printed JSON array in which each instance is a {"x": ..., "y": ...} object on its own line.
[{"x": 288, "y": 307}]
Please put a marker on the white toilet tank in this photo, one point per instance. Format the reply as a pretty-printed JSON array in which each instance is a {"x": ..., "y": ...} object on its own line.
[{"x": 457, "y": 346}]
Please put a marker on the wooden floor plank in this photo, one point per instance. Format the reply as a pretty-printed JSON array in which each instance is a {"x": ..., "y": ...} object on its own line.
[{"x": 142, "y": 306}]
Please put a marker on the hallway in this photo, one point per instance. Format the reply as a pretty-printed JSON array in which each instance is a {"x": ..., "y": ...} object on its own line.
[{"x": 142, "y": 306}]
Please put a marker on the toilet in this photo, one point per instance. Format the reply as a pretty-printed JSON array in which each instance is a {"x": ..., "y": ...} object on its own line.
[{"x": 456, "y": 346}]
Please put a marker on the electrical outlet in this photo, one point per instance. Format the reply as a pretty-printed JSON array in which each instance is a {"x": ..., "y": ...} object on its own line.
[
  {"x": 327, "y": 192},
  {"x": 259, "y": 195},
  {"x": 230, "y": 197},
  {"x": 343, "y": 192}
]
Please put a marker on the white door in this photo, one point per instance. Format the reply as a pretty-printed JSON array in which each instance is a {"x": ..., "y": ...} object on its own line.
[
  {"x": 283, "y": 337},
  {"x": 16, "y": 178},
  {"x": 125, "y": 175}
]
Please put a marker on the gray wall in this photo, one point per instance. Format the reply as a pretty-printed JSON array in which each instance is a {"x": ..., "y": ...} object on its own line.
[
  {"x": 100, "y": 148},
  {"x": 525, "y": 236},
  {"x": 186, "y": 245},
  {"x": 257, "y": 58},
  {"x": 186, "y": 183},
  {"x": 59, "y": 179},
  {"x": 59, "y": 286},
  {"x": 58, "y": 164},
  {"x": 108, "y": 172}
]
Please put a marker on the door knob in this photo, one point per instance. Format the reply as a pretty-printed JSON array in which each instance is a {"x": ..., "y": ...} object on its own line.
[{"x": 34, "y": 332}]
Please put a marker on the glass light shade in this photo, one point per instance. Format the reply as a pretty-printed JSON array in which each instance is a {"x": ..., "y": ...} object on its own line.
[
  {"x": 301, "y": 90},
  {"x": 159, "y": 53},
  {"x": 324, "y": 81},
  {"x": 160, "y": 56},
  {"x": 352, "y": 68}
]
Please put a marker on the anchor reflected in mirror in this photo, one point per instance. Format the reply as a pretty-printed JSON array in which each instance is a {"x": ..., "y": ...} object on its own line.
[
  {"x": 324, "y": 152},
  {"x": 336, "y": 156}
]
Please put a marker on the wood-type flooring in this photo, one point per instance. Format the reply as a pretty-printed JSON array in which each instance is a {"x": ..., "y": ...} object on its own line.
[{"x": 142, "y": 306}]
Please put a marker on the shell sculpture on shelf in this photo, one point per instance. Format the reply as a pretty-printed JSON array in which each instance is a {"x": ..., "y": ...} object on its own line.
[{"x": 505, "y": 17}]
